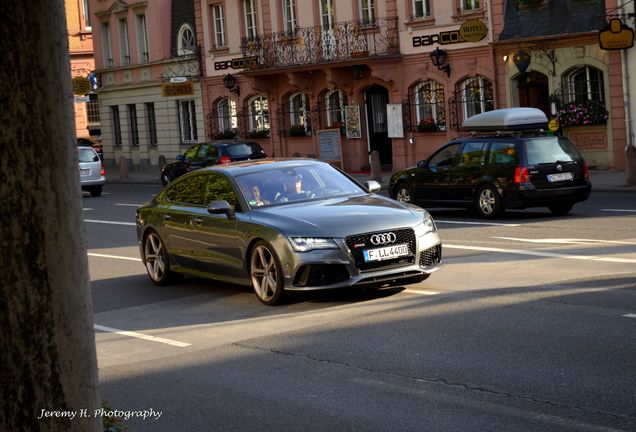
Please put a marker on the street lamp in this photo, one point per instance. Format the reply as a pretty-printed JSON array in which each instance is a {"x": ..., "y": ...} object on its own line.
[
  {"x": 229, "y": 81},
  {"x": 439, "y": 59}
]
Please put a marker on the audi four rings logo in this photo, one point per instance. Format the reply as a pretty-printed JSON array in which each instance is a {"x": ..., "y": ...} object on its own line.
[{"x": 385, "y": 238}]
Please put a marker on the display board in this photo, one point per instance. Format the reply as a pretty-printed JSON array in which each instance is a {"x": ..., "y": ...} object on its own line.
[
  {"x": 329, "y": 144},
  {"x": 394, "y": 113}
]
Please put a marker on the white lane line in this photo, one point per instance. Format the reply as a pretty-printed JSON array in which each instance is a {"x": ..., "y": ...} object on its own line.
[
  {"x": 87, "y": 209},
  {"x": 630, "y": 315},
  {"x": 565, "y": 241},
  {"x": 113, "y": 257},
  {"x": 110, "y": 222},
  {"x": 475, "y": 223},
  {"x": 141, "y": 336},
  {"x": 421, "y": 292},
  {"x": 542, "y": 254},
  {"x": 128, "y": 205},
  {"x": 619, "y": 210}
]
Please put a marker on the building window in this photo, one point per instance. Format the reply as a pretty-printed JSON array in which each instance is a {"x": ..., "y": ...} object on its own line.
[
  {"x": 367, "y": 11},
  {"x": 107, "y": 49},
  {"x": 469, "y": 5},
  {"x": 335, "y": 101},
  {"x": 476, "y": 96},
  {"x": 142, "y": 39},
  {"x": 186, "y": 42},
  {"x": 134, "y": 128},
  {"x": 429, "y": 106},
  {"x": 227, "y": 121},
  {"x": 299, "y": 114},
  {"x": 250, "y": 19},
  {"x": 187, "y": 121},
  {"x": 258, "y": 116},
  {"x": 87, "y": 15},
  {"x": 583, "y": 84},
  {"x": 116, "y": 125},
  {"x": 124, "y": 46},
  {"x": 219, "y": 25},
  {"x": 152, "y": 123},
  {"x": 289, "y": 16},
  {"x": 421, "y": 9},
  {"x": 92, "y": 109}
]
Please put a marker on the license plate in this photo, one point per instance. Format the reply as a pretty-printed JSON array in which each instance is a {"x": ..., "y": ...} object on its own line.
[
  {"x": 559, "y": 177},
  {"x": 85, "y": 171},
  {"x": 385, "y": 253}
]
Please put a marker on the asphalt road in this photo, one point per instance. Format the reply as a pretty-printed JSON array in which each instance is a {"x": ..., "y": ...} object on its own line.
[{"x": 529, "y": 326}]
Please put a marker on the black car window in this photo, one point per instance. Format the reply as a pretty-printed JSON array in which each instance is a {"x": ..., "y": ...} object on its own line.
[
  {"x": 206, "y": 151},
  {"x": 446, "y": 156},
  {"x": 546, "y": 150},
  {"x": 502, "y": 153},
  {"x": 219, "y": 188},
  {"x": 472, "y": 154},
  {"x": 188, "y": 190},
  {"x": 191, "y": 152},
  {"x": 240, "y": 150}
]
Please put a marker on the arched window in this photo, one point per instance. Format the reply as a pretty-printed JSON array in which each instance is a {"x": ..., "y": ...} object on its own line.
[
  {"x": 186, "y": 41},
  {"x": 583, "y": 84},
  {"x": 227, "y": 121},
  {"x": 258, "y": 116},
  {"x": 428, "y": 101},
  {"x": 476, "y": 96},
  {"x": 299, "y": 114},
  {"x": 335, "y": 101}
]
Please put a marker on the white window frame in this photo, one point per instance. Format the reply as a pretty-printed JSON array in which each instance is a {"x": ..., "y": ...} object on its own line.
[
  {"x": 424, "y": 5},
  {"x": 298, "y": 112},
  {"x": 586, "y": 71},
  {"x": 258, "y": 113},
  {"x": 107, "y": 47},
  {"x": 133, "y": 125},
  {"x": 471, "y": 106},
  {"x": 114, "y": 111},
  {"x": 367, "y": 11},
  {"x": 425, "y": 109},
  {"x": 289, "y": 16},
  {"x": 218, "y": 17},
  {"x": 142, "y": 39},
  {"x": 250, "y": 19},
  {"x": 469, "y": 5},
  {"x": 334, "y": 113},
  {"x": 226, "y": 111},
  {"x": 186, "y": 41},
  {"x": 87, "y": 15},
  {"x": 124, "y": 44},
  {"x": 187, "y": 121},
  {"x": 151, "y": 121}
]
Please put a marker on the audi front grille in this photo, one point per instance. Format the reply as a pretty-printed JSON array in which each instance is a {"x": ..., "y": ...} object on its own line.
[{"x": 360, "y": 242}]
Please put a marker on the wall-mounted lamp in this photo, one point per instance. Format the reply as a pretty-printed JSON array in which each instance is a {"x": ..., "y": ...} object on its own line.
[
  {"x": 521, "y": 59},
  {"x": 229, "y": 81},
  {"x": 439, "y": 59},
  {"x": 505, "y": 58}
]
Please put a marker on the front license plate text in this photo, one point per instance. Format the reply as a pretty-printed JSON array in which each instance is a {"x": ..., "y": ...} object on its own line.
[{"x": 385, "y": 253}]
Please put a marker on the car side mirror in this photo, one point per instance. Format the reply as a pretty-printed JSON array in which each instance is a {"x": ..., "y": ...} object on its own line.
[
  {"x": 422, "y": 164},
  {"x": 180, "y": 157},
  {"x": 372, "y": 185},
  {"x": 221, "y": 207}
]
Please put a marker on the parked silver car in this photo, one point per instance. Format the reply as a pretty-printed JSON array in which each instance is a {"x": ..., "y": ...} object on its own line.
[
  {"x": 91, "y": 170},
  {"x": 284, "y": 225}
]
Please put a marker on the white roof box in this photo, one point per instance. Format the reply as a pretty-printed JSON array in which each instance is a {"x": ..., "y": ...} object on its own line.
[{"x": 507, "y": 119}]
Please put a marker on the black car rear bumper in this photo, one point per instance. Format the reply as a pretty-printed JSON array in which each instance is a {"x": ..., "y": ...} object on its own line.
[{"x": 525, "y": 198}]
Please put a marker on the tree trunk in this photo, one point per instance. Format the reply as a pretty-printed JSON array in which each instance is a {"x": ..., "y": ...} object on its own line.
[{"x": 48, "y": 359}]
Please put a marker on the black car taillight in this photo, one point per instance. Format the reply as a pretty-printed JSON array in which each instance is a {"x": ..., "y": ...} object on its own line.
[{"x": 586, "y": 171}]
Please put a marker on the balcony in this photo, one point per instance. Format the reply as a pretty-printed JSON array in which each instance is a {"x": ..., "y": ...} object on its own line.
[{"x": 349, "y": 40}]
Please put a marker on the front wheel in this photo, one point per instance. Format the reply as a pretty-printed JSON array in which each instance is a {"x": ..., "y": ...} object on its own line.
[
  {"x": 404, "y": 193},
  {"x": 266, "y": 274},
  {"x": 488, "y": 202},
  {"x": 165, "y": 179},
  {"x": 561, "y": 209},
  {"x": 156, "y": 260}
]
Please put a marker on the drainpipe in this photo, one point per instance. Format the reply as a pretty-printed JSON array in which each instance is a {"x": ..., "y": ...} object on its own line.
[{"x": 630, "y": 149}]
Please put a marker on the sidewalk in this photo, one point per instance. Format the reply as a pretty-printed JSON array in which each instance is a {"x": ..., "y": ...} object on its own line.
[{"x": 602, "y": 181}]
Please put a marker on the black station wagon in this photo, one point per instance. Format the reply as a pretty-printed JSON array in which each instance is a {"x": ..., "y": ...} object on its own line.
[{"x": 506, "y": 162}]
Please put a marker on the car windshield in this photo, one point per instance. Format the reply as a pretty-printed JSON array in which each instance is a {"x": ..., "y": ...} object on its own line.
[
  {"x": 548, "y": 150},
  {"x": 293, "y": 184},
  {"x": 240, "y": 150},
  {"x": 87, "y": 155}
]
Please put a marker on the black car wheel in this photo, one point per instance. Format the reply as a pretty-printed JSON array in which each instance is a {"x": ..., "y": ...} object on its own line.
[
  {"x": 165, "y": 179},
  {"x": 266, "y": 274},
  {"x": 404, "y": 193},
  {"x": 488, "y": 202},
  {"x": 156, "y": 260},
  {"x": 561, "y": 209}
]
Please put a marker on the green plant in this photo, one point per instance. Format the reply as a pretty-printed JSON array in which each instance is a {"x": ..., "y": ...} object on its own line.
[
  {"x": 582, "y": 113},
  {"x": 427, "y": 125},
  {"x": 258, "y": 133}
]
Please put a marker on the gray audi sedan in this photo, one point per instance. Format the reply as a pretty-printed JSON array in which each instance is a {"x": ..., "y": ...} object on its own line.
[{"x": 284, "y": 225}]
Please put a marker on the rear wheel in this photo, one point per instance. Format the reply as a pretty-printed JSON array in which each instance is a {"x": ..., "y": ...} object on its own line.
[
  {"x": 165, "y": 179},
  {"x": 266, "y": 274},
  {"x": 404, "y": 193},
  {"x": 156, "y": 260},
  {"x": 95, "y": 191},
  {"x": 561, "y": 209},
  {"x": 488, "y": 202}
]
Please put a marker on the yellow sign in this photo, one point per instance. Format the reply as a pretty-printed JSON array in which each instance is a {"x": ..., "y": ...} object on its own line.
[
  {"x": 473, "y": 30},
  {"x": 81, "y": 86},
  {"x": 616, "y": 36},
  {"x": 177, "y": 89},
  {"x": 553, "y": 125}
]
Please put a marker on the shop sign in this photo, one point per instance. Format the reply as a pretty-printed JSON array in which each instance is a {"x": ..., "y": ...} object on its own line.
[
  {"x": 236, "y": 63},
  {"x": 442, "y": 38},
  {"x": 177, "y": 89},
  {"x": 616, "y": 36},
  {"x": 553, "y": 125},
  {"x": 473, "y": 30}
]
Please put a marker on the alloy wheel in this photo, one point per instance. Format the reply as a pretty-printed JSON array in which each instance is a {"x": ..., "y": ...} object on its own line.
[
  {"x": 265, "y": 274},
  {"x": 155, "y": 258}
]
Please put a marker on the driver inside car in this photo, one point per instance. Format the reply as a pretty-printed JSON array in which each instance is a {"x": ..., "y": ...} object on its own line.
[{"x": 292, "y": 189}]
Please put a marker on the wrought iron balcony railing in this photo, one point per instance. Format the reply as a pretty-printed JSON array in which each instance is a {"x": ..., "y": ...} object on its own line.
[{"x": 314, "y": 45}]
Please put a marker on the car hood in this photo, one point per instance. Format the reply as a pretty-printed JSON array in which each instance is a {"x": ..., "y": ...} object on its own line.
[{"x": 339, "y": 217}]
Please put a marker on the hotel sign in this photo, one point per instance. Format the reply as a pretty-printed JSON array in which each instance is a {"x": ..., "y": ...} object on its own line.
[
  {"x": 177, "y": 89},
  {"x": 616, "y": 36},
  {"x": 473, "y": 30}
]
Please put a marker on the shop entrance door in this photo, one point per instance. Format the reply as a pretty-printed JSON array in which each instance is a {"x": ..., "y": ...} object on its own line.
[
  {"x": 376, "y": 98},
  {"x": 534, "y": 92}
]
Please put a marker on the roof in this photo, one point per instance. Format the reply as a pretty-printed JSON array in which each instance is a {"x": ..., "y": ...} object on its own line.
[{"x": 247, "y": 167}]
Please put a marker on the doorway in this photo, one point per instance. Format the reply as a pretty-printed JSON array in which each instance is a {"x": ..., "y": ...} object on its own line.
[
  {"x": 534, "y": 91},
  {"x": 376, "y": 98}
]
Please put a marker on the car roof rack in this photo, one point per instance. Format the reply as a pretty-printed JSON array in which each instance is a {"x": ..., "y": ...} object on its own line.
[{"x": 507, "y": 120}]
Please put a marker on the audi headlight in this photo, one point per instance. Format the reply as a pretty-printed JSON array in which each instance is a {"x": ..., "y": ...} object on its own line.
[
  {"x": 305, "y": 244},
  {"x": 429, "y": 224}
]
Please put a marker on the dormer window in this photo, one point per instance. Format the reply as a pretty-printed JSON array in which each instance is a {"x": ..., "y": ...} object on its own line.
[{"x": 186, "y": 42}]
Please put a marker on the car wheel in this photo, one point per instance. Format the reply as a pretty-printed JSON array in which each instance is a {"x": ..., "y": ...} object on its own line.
[
  {"x": 165, "y": 179},
  {"x": 156, "y": 260},
  {"x": 404, "y": 193},
  {"x": 488, "y": 202},
  {"x": 96, "y": 191},
  {"x": 561, "y": 209},
  {"x": 266, "y": 274}
]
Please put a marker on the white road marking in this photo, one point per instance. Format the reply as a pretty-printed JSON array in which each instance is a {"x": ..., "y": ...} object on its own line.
[
  {"x": 619, "y": 210},
  {"x": 475, "y": 223},
  {"x": 141, "y": 336},
  {"x": 113, "y": 257},
  {"x": 630, "y": 315},
  {"x": 541, "y": 254},
  {"x": 566, "y": 241},
  {"x": 87, "y": 209},
  {"x": 422, "y": 292},
  {"x": 129, "y": 205},
  {"x": 110, "y": 222}
]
